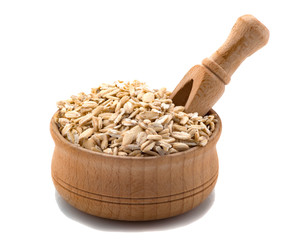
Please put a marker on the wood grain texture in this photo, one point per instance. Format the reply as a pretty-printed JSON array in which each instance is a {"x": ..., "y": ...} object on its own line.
[
  {"x": 204, "y": 84},
  {"x": 134, "y": 188}
]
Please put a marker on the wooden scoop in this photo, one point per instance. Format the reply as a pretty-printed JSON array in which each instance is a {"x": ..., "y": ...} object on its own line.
[{"x": 204, "y": 84}]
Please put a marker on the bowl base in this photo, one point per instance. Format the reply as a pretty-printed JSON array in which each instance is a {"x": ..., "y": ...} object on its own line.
[{"x": 134, "y": 209}]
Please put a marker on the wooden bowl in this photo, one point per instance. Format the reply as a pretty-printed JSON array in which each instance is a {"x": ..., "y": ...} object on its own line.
[{"x": 134, "y": 188}]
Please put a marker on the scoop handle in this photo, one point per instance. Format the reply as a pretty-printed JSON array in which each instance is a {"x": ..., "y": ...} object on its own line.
[{"x": 246, "y": 37}]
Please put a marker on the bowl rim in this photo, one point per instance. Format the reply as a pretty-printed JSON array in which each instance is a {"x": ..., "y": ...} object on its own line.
[{"x": 58, "y": 138}]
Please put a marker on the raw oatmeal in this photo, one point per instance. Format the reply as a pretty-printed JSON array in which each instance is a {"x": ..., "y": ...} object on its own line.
[{"x": 129, "y": 119}]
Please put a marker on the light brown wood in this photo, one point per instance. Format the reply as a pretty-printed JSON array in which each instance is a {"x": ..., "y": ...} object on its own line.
[
  {"x": 134, "y": 188},
  {"x": 150, "y": 188},
  {"x": 204, "y": 84}
]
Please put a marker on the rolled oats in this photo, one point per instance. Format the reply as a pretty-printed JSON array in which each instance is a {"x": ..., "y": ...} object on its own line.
[
  {"x": 148, "y": 97},
  {"x": 128, "y": 119},
  {"x": 180, "y": 146},
  {"x": 72, "y": 114},
  {"x": 181, "y": 135},
  {"x": 154, "y": 137}
]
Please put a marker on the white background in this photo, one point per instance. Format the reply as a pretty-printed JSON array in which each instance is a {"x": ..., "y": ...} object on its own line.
[{"x": 50, "y": 50}]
